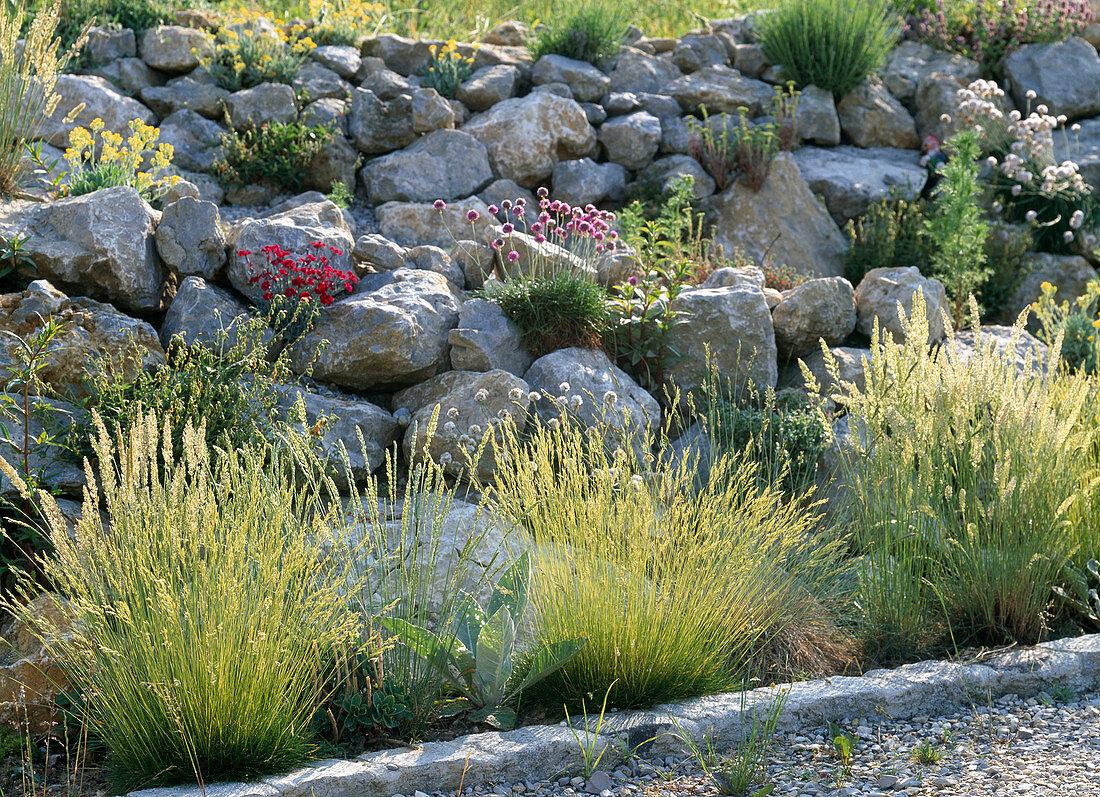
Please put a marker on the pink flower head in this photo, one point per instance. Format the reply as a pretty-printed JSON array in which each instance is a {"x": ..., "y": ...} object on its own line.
[
  {"x": 472, "y": 215},
  {"x": 498, "y": 243},
  {"x": 439, "y": 204},
  {"x": 513, "y": 256},
  {"x": 508, "y": 228},
  {"x": 540, "y": 238},
  {"x": 506, "y": 205},
  {"x": 494, "y": 209},
  {"x": 542, "y": 192},
  {"x": 536, "y": 227},
  {"x": 633, "y": 280}
]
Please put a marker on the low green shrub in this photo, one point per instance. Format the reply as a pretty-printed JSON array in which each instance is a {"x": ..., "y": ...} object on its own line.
[
  {"x": 586, "y": 32},
  {"x": 833, "y": 44},
  {"x": 970, "y": 481},
  {"x": 201, "y": 620},
  {"x": 675, "y": 587},
  {"x": 890, "y": 234},
  {"x": 553, "y": 312},
  {"x": 243, "y": 61},
  {"x": 277, "y": 153}
]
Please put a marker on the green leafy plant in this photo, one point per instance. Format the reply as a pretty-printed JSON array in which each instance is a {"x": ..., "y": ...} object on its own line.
[
  {"x": 195, "y": 628},
  {"x": 30, "y": 62},
  {"x": 341, "y": 195},
  {"x": 447, "y": 69},
  {"x": 928, "y": 753},
  {"x": 890, "y": 234},
  {"x": 956, "y": 228},
  {"x": 553, "y": 312},
  {"x": 137, "y": 15},
  {"x": 1076, "y": 325},
  {"x": 276, "y": 153},
  {"x": 588, "y": 739},
  {"x": 781, "y": 276},
  {"x": 586, "y": 32},
  {"x": 844, "y": 745},
  {"x": 833, "y": 44},
  {"x": 137, "y": 161},
  {"x": 243, "y": 61},
  {"x": 1079, "y": 595},
  {"x": 14, "y": 260},
  {"x": 482, "y": 660}
]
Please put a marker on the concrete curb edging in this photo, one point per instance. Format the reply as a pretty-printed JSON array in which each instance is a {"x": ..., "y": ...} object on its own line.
[{"x": 550, "y": 751}]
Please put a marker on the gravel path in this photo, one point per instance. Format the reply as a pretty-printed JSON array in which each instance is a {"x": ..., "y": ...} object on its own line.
[{"x": 1048, "y": 745}]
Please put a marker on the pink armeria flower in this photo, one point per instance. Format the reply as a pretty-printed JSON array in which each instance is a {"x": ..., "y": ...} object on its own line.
[
  {"x": 472, "y": 215},
  {"x": 494, "y": 209},
  {"x": 508, "y": 228},
  {"x": 513, "y": 256},
  {"x": 439, "y": 204}
]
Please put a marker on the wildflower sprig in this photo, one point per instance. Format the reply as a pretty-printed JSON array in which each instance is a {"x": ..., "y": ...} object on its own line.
[
  {"x": 448, "y": 68},
  {"x": 246, "y": 56},
  {"x": 100, "y": 158}
]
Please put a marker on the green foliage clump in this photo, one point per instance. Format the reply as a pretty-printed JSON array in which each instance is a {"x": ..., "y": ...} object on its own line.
[
  {"x": 249, "y": 58},
  {"x": 890, "y": 234},
  {"x": 1077, "y": 325},
  {"x": 970, "y": 481},
  {"x": 138, "y": 15},
  {"x": 276, "y": 153},
  {"x": 554, "y": 311},
  {"x": 201, "y": 622},
  {"x": 833, "y": 44},
  {"x": 955, "y": 225},
  {"x": 447, "y": 69},
  {"x": 585, "y": 32}
]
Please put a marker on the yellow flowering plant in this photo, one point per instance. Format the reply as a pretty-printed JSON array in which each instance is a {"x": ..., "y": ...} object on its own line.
[
  {"x": 248, "y": 52},
  {"x": 449, "y": 68},
  {"x": 345, "y": 22},
  {"x": 1077, "y": 322},
  {"x": 100, "y": 158}
]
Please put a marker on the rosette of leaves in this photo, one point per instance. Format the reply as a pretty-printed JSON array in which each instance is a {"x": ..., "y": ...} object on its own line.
[{"x": 482, "y": 660}]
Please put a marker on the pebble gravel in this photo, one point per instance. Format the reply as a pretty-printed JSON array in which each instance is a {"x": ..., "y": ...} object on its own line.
[{"x": 1044, "y": 745}]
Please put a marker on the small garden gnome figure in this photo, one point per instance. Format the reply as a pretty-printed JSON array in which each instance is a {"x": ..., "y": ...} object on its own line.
[{"x": 932, "y": 159}]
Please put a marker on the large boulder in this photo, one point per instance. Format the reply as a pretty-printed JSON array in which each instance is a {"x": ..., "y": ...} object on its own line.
[
  {"x": 488, "y": 86},
  {"x": 1065, "y": 77},
  {"x": 720, "y": 89},
  {"x": 485, "y": 340},
  {"x": 526, "y": 136},
  {"x": 294, "y": 230},
  {"x": 31, "y": 675},
  {"x": 104, "y": 45},
  {"x": 202, "y": 314},
  {"x": 415, "y": 223},
  {"x": 729, "y": 328},
  {"x": 467, "y": 406},
  {"x": 871, "y": 117},
  {"x": 936, "y": 104},
  {"x": 783, "y": 221},
  {"x": 583, "y": 181},
  {"x": 698, "y": 50},
  {"x": 391, "y": 331},
  {"x": 100, "y": 99},
  {"x": 186, "y": 93},
  {"x": 190, "y": 238},
  {"x": 640, "y": 72},
  {"x": 587, "y": 83},
  {"x": 816, "y": 310},
  {"x": 631, "y": 140},
  {"x": 266, "y": 103},
  {"x": 850, "y": 369},
  {"x": 911, "y": 61},
  {"x": 102, "y": 245},
  {"x": 197, "y": 142},
  {"x": 885, "y": 293},
  {"x": 96, "y": 332},
  {"x": 816, "y": 119},
  {"x": 345, "y": 418},
  {"x": 851, "y": 178},
  {"x": 341, "y": 59},
  {"x": 445, "y": 164},
  {"x": 376, "y": 126},
  {"x": 591, "y": 388},
  {"x": 173, "y": 48},
  {"x": 319, "y": 83},
  {"x": 1083, "y": 148},
  {"x": 1070, "y": 274}
]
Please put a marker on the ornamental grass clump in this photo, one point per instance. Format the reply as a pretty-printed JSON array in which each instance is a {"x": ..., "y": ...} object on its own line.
[
  {"x": 675, "y": 586},
  {"x": 586, "y": 32},
  {"x": 30, "y": 62},
  {"x": 970, "y": 479},
  {"x": 203, "y": 612},
  {"x": 833, "y": 44}
]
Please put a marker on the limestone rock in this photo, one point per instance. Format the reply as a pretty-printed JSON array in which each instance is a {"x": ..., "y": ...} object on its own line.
[
  {"x": 631, "y": 140},
  {"x": 851, "y": 178},
  {"x": 818, "y": 309},
  {"x": 100, "y": 100},
  {"x": 587, "y": 83},
  {"x": 319, "y": 83},
  {"x": 485, "y": 340},
  {"x": 263, "y": 104},
  {"x": 375, "y": 126},
  {"x": 197, "y": 141},
  {"x": 186, "y": 93},
  {"x": 785, "y": 212},
  {"x": 668, "y": 169},
  {"x": 911, "y": 61},
  {"x": 202, "y": 314},
  {"x": 106, "y": 44},
  {"x": 1064, "y": 75},
  {"x": 488, "y": 86},
  {"x": 637, "y": 71},
  {"x": 31, "y": 677},
  {"x": 816, "y": 118},
  {"x": 172, "y": 48},
  {"x": 720, "y": 89},
  {"x": 445, "y": 164},
  {"x": 871, "y": 117},
  {"x": 884, "y": 293},
  {"x": 696, "y": 51},
  {"x": 415, "y": 223},
  {"x": 583, "y": 181},
  {"x": 936, "y": 98},
  {"x": 189, "y": 238},
  {"x": 1070, "y": 274},
  {"x": 341, "y": 59}
]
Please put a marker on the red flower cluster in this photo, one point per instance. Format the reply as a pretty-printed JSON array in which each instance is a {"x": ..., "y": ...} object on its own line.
[{"x": 305, "y": 277}]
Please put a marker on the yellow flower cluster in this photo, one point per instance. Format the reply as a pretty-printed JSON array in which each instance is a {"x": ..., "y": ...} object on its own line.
[
  {"x": 449, "y": 55},
  {"x": 101, "y": 158}
]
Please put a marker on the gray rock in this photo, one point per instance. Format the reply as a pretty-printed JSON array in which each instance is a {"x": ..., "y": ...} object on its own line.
[
  {"x": 849, "y": 360},
  {"x": 697, "y": 51},
  {"x": 350, "y": 418},
  {"x": 676, "y": 134},
  {"x": 263, "y": 104},
  {"x": 445, "y": 164},
  {"x": 911, "y": 61},
  {"x": 100, "y": 100},
  {"x": 197, "y": 141},
  {"x": 659, "y": 105},
  {"x": 107, "y": 44},
  {"x": 341, "y": 59},
  {"x": 720, "y": 89},
  {"x": 171, "y": 48},
  {"x": 378, "y": 252},
  {"x": 476, "y": 260},
  {"x": 1065, "y": 76},
  {"x": 327, "y": 111},
  {"x": 509, "y": 34},
  {"x": 783, "y": 219},
  {"x": 598, "y": 393},
  {"x": 202, "y": 314},
  {"x": 468, "y": 404},
  {"x": 437, "y": 260},
  {"x": 851, "y": 178},
  {"x": 485, "y": 340},
  {"x": 1029, "y": 354},
  {"x": 727, "y": 276},
  {"x": 129, "y": 75},
  {"x": 526, "y": 136},
  {"x": 430, "y": 111},
  {"x": 637, "y": 71},
  {"x": 632, "y": 140},
  {"x": 1070, "y": 274},
  {"x": 185, "y": 93},
  {"x": 936, "y": 98},
  {"x": 618, "y": 103},
  {"x": 729, "y": 327},
  {"x": 666, "y": 171},
  {"x": 580, "y": 182},
  {"x": 383, "y": 82},
  {"x": 101, "y": 244},
  {"x": 884, "y": 293},
  {"x": 390, "y": 332},
  {"x": 595, "y": 114},
  {"x": 871, "y": 117},
  {"x": 375, "y": 126},
  {"x": 816, "y": 119},
  {"x": 488, "y": 86},
  {"x": 750, "y": 60},
  {"x": 318, "y": 82},
  {"x": 816, "y": 310},
  {"x": 415, "y": 223},
  {"x": 587, "y": 83},
  {"x": 335, "y": 163},
  {"x": 189, "y": 238},
  {"x": 294, "y": 230}
]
